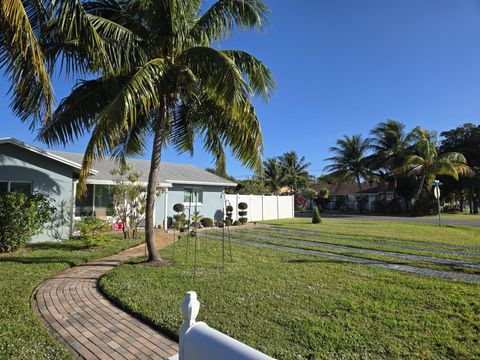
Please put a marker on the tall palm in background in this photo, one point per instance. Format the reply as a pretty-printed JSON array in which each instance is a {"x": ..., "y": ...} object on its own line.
[
  {"x": 350, "y": 162},
  {"x": 22, "y": 59},
  {"x": 273, "y": 175},
  {"x": 389, "y": 144},
  {"x": 160, "y": 78},
  {"x": 294, "y": 169},
  {"x": 427, "y": 163}
]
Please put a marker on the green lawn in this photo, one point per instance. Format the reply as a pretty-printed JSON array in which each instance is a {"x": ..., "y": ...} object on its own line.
[
  {"x": 391, "y": 236},
  {"x": 22, "y": 333},
  {"x": 295, "y": 306}
]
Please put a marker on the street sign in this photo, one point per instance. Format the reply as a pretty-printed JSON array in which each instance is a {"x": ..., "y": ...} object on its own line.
[{"x": 436, "y": 192}]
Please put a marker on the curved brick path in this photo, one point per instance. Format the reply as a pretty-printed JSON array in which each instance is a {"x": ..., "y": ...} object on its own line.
[{"x": 88, "y": 324}]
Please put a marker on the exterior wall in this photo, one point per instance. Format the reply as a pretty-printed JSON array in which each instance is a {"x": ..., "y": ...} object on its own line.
[
  {"x": 211, "y": 207},
  {"x": 48, "y": 177}
]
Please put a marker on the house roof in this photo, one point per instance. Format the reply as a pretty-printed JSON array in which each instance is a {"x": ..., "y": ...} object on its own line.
[
  {"x": 349, "y": 189},
  {"x": 48, "y": 154},
  {"x": 170, "y": 173}
]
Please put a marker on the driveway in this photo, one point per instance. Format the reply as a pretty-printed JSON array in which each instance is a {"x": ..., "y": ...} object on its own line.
[{"x": 426, "y": 220}]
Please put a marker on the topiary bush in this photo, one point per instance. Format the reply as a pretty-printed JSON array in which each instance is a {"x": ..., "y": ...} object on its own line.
[
  {"x": 178, "y": 208},
  {"x": 180, "y": 218},
  {"x": 236, "y": 223},
  {"x": 242, "y": 213},
  {"x": 206, "y": 222},
  {"x": 229, "y": 215},
  {"x": 316, "y": 219},
  {"x": 92, "y": 230},
  {"x": 22, "y": 217}
]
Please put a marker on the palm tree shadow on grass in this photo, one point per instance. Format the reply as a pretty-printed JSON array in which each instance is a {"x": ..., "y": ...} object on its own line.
[
  {"x": 61, "y": 245},
  {"x": 38, "y": 260}
]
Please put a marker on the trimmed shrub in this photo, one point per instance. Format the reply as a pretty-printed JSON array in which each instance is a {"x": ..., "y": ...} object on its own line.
[
  {"x": 243, "y": 206},
  {"x": 178, "y": 208},
  {"x": 92, "y": 230},
  {"x": 316, "y": 219},
  {"x": 242, "y": 213},
  {"x": 21, "y": 217},
  {"x": 229, "y": 215},
  {"x": 236, "y": 223},
  {"x": 206, "y": 222}
]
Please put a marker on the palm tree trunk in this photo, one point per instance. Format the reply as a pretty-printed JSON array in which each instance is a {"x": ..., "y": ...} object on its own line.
[
  {"x": 153, "y": 176},
  {"x": 420, "y": 188}
]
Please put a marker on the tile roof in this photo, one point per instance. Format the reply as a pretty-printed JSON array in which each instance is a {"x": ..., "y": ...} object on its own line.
[
  {"x": 170, "y": 173},
  {"x": 349, "y": 189}
]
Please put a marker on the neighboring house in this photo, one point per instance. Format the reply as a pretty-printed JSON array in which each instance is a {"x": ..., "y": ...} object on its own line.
[
  {"x": 348, "y": 195},
  {"x": 27, "y": 168}
]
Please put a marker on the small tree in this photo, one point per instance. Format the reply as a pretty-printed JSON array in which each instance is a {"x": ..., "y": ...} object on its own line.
[
  {"x": 316, "y": 219},
  {"x": 128, "y": 199},
  {"x": 92, "y": 230},
  {"x": 21, "y": 217},
  {"x": 243, "y": 212},
  {"x": 196, "y": 219},
  {"x": 321, "y": 199}
]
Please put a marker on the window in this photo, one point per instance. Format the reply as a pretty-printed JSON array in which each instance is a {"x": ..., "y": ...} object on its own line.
[
  {"x": 193, "y": 195},
  {"x": 24, "y": 187},
  {"x": 84, "y": 205},
  {"x": 3, "y": 187},
  {"x": 21, "y": 187}
]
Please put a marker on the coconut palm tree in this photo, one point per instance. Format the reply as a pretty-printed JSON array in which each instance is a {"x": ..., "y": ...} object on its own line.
[
  {"x": 168, "y": 84},
  {"x": 273, "y": 174},
  {"x": 389, "y": 144},
  {"x": 22, "y": 59},
  {"x": 294, "y": 169},
  {"x": 350, "y": 162},
  {"x": 427, "y": 163}
]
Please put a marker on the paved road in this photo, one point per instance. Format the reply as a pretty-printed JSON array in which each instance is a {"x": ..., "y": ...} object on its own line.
[
  {"x": 425, "y": 220},
  {"x": 88, "y": 324}
]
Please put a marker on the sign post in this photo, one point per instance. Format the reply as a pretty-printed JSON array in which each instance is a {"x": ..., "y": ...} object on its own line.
[{"x": 436, "y": 192}]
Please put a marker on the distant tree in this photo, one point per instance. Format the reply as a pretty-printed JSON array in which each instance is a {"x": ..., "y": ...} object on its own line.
[
  {"x": 350, "y": 163},
  {"x": 273, "y": 175},
  {"x": 294, "y": 169},
  {"x": 255, "y": 186},
  {"x": 321, "y": 198},
  {"x": 464, "y": 139},
  {"x": 427, "y": 163},
  {"x": 390, "y": 143}
]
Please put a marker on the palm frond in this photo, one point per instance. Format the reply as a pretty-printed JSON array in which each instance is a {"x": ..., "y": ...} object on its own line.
[
  {"x": 23, "y": 61},
  {"x": 223, "y": 16},
  {"x": 259, "y": 77}
]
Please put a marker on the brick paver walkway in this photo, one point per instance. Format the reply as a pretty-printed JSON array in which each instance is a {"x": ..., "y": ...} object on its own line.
[{"x": 88, "y": 324}]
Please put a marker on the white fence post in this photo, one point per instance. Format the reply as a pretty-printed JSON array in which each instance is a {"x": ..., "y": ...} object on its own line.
[
  {"x": 198, "y": 341},
  {"x": 278, "y": 207}
]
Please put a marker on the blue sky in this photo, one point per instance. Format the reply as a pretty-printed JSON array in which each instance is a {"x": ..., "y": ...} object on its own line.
[{"x": 342, "y": 66}]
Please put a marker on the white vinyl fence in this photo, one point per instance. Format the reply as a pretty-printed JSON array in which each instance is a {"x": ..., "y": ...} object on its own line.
[
  {"x": 198, "y": 341},
  {"x": 263, "y": 207}
]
